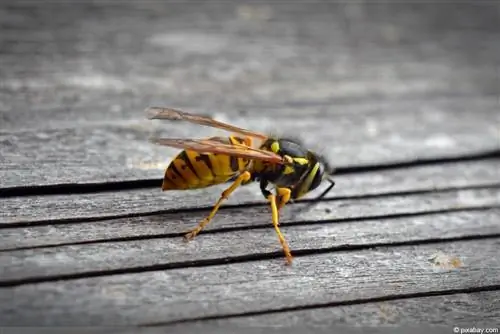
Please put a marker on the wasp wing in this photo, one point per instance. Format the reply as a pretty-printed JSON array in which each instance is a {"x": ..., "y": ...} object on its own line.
[
  {"x": 215, "y": 146},
  {"x": 177, "y": 115}
]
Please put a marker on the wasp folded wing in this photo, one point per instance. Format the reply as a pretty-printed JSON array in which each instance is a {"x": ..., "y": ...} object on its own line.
[
  {"x": 215, "y": 146},
  {"x": 177, "y": 115}
]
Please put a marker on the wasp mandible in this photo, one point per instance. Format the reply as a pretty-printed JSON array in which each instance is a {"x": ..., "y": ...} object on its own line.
[{"x": 293, "y": 170}]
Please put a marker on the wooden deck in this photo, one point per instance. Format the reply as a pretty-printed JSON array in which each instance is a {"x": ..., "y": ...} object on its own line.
[{"x": 402, "y": 98}]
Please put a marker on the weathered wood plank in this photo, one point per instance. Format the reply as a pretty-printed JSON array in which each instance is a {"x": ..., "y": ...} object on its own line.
[
  {"x": 465, "y": 310},
  {"x": 109, "y": 152},
  {"x": 68, "y": 102},
  {"x": 72, "y": 67},
  {"x": 62, "y": 104},
  {"x": 36, "y": 208},
  {"x": 174, "y": 224},
  {"x": 231, "y": 289},
  {"x": 320, "y": 230}
]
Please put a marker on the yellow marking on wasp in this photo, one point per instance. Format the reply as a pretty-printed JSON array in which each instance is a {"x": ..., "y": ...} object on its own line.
[
  {"x": 288, "y": 170},
  {"x": 174, "y": 179},
  {"x": 275, "y": 147},
  {"x": 301, "y": 161},
  {"x": 307, "y": 182},
  {"x": 187, "y": 174},
  {"x": 203, "y": 173}
]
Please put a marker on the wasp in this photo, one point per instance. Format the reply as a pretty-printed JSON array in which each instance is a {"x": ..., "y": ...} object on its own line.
[{"x": 241, "y": 158}]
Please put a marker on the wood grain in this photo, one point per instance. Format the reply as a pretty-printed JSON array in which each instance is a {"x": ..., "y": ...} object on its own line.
[
  {"x": 112, "y": 152},
  {"x": 371, "y": 83},
  {"x": 79, "y": 68},
  {"x": 365, "y": 84},
  {"x": 172, "y": 295},
  {"x": 111, "y": 204},
  {"x": 444, "y": 312},
  {"x": 158, "y": 248},
  {"x": 174, "y": 224}
]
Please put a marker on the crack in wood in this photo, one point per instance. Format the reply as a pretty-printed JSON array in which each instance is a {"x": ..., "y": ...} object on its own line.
[
  {"x": 359, "y": 301},
  {"x": 85, "y": 188},
  {"x": 262, "y": 226},
  {"x": 239, "y": 259},
  {"x": 77, "y": 220}
]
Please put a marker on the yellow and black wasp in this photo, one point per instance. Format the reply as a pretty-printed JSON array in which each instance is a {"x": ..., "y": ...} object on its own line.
[{"x": 293, "y": 170}]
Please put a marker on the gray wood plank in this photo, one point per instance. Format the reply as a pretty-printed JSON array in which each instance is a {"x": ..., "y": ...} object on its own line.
[
  {"x": 383, "y": 82},
  {"x": 78, "y": 65},
  {"x": 173, "y": 295},
  {"x": 174, "y": 224},
  {"x": 36, "y": 208},
  {"x": 110, "y": 152},
  {"x": 318, "y": 231},
  {"x": 464, "y": 310},
  {"x": 372, "y": 82}
]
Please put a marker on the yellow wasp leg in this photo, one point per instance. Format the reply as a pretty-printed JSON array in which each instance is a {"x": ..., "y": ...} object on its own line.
[
  {"x": 274, "y": 209},
  {"x": 284, "y": 195},
  {"x": 243, "y": 177}
]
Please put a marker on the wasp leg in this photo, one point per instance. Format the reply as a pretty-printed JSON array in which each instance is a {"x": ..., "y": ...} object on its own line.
[
  {"x": 263, "y": 186},
  {"x": 284, "y": 195},
  {"x": 284, "y": 244},
  {"x": 245, "y": 176}
]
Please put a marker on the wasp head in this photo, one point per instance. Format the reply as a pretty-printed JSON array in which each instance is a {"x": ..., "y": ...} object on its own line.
[{"x": 317, "y": 171}]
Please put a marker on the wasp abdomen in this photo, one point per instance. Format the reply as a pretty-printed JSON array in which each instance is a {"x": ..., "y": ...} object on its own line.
[{"x": 193, "y": 170}]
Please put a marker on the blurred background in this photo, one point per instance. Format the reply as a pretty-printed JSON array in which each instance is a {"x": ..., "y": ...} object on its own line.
[{"x": 76, "y": 77}]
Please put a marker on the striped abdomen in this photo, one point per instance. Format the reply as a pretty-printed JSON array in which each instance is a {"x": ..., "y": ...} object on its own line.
[{"x": 192, "y": 170}]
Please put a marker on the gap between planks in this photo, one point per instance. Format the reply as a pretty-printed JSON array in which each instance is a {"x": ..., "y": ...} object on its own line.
[
  {"x": 299, "y": 204},
  {"x": 472, "y": 219},
  {"x": 237, "y": 219},
  {"x": 89, "y": 187},
  {"x": 76, "y": 208},
  {"x": 186, "y": 294},
  {"x": 402, "y": 309},
  {"x": 79, "y": 261}
]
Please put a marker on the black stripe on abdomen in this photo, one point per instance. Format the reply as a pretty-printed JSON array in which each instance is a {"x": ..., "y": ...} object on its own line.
[
  {"x": 176, "y": 171},
  {"x": 206, "y": 159},
  {"x": 183, "y": 155}
]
